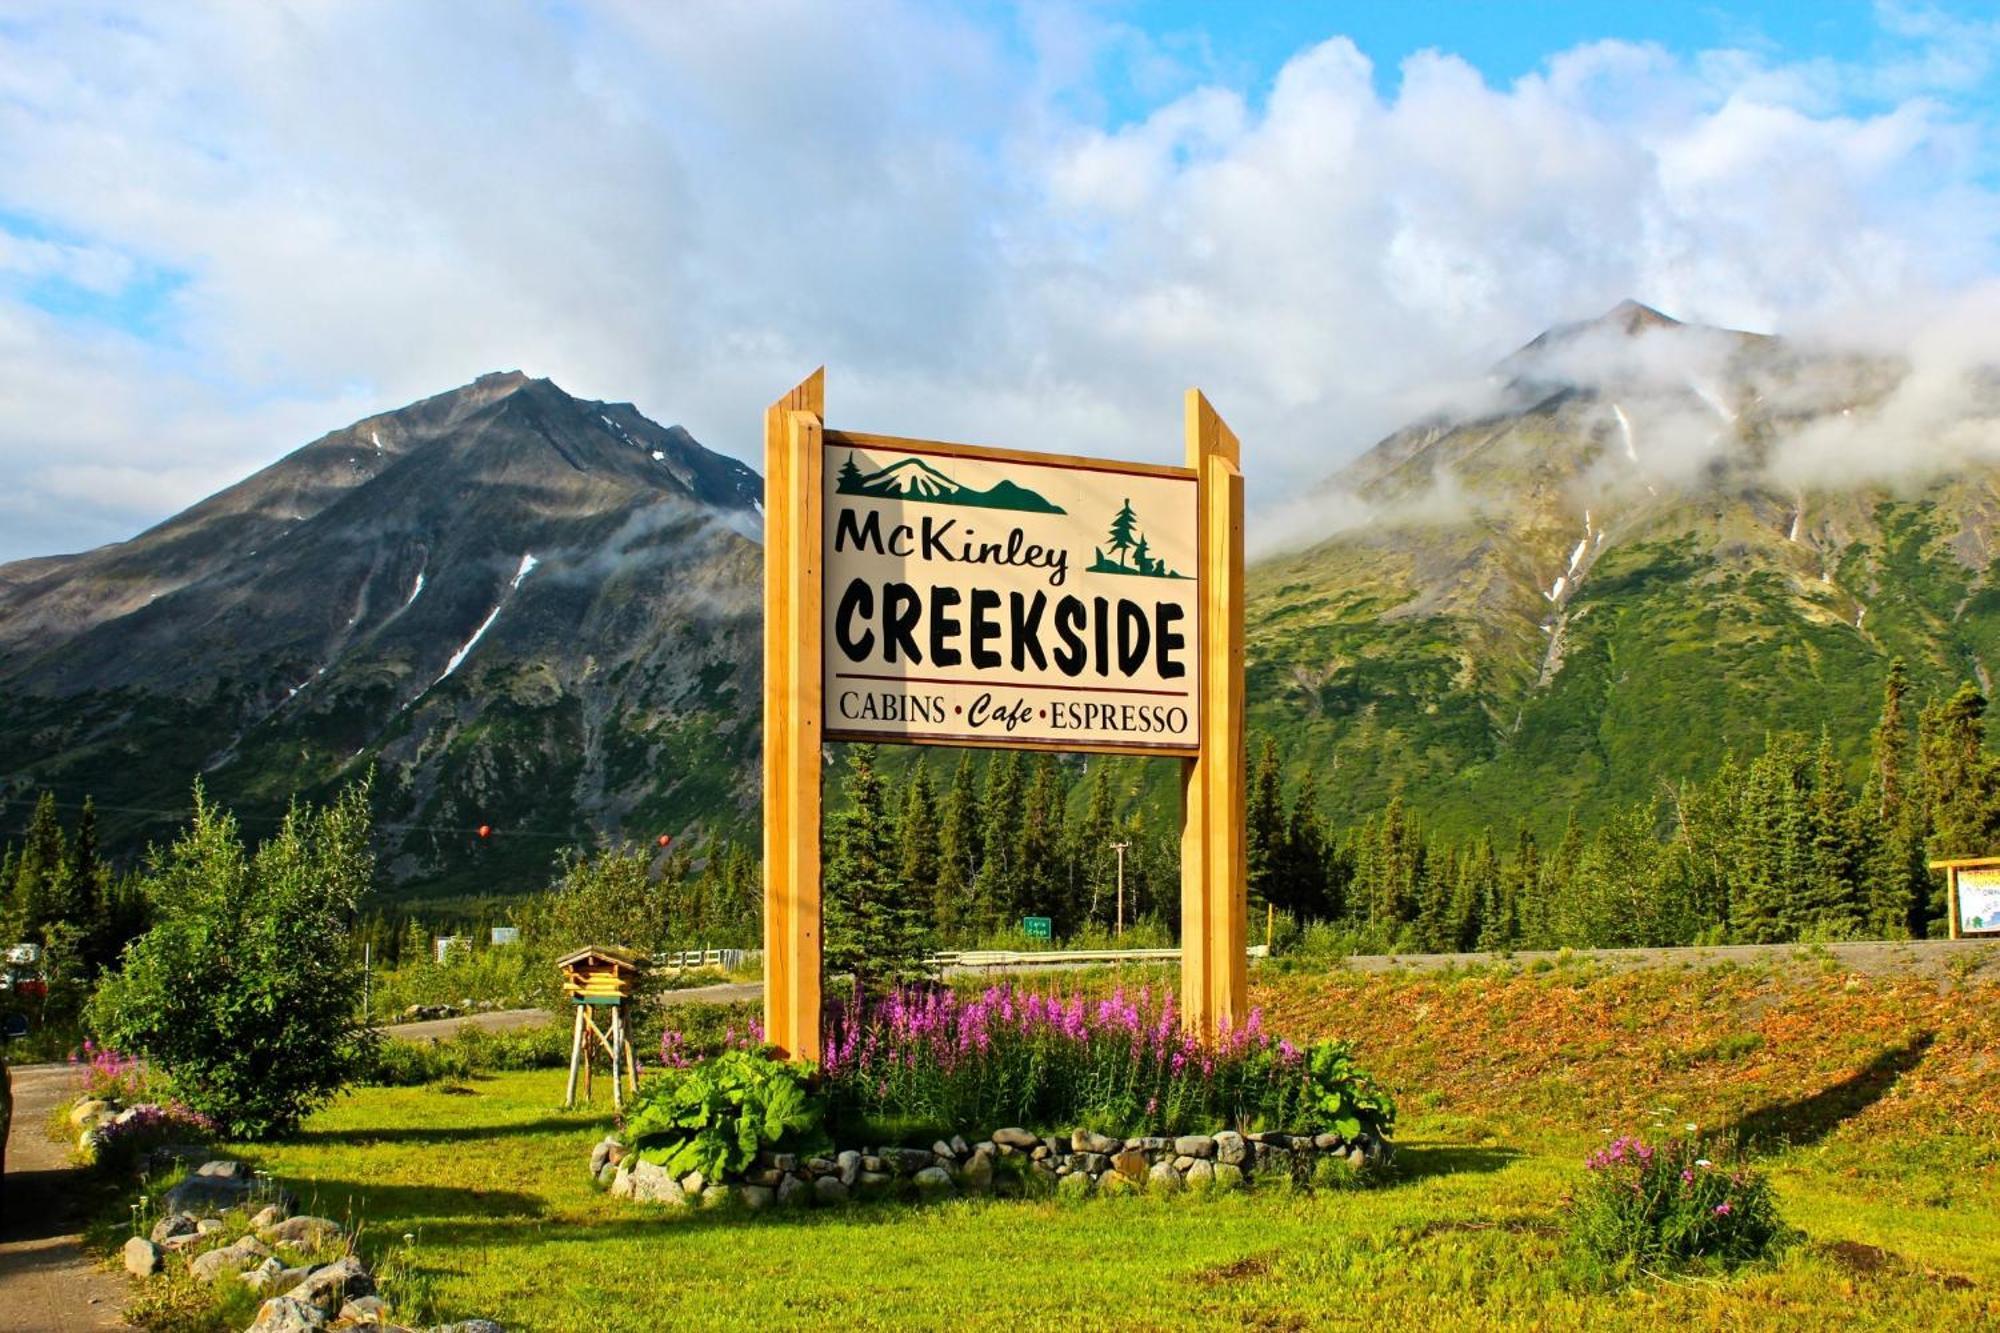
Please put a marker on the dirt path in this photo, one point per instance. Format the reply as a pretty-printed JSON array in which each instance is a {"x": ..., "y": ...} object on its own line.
[{"x": 47, "y": 1282}]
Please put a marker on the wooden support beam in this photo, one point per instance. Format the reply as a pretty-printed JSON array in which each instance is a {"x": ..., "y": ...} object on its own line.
[
  {"x": 793, "y": 461},
  {"x": 1214, "y": 850}
]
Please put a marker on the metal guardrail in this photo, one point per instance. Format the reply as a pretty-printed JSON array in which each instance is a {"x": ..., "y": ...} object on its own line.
[
  {"x": 1029, "y": 957},
  {"x": 684, "y": 959},
  {"x": 734, "y": 958}
]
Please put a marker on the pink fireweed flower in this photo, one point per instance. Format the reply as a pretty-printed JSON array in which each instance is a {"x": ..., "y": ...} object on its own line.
[{"x": 1723, "y": 1209}]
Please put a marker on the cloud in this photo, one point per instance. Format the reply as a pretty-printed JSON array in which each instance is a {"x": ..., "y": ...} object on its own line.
[{"x": 340, "y": 208}]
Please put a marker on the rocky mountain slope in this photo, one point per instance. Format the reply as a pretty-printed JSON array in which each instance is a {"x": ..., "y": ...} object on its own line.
[
  {"x": 1652, "y": 543},
  {"x": 529, "y": 611},
  {"x": 1644, "y": 543}
]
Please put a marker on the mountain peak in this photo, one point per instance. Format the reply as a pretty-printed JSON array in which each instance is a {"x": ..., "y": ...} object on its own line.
[{"x": 1632, "y": 317}]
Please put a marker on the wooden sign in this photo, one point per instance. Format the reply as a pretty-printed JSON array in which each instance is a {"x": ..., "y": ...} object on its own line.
[
  {"x": 985, "y": 597},
  {"x": 952, "y": 594},
  {"x": 1972, "y": 898}
]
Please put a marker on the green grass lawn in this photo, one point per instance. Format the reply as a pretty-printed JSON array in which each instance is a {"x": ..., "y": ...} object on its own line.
[{"x": 490, "y": 1180}]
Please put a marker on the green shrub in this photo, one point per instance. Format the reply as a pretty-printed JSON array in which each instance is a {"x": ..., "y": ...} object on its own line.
[
  {"x": 1646, "y": 1208},
  {"x": 244, "y": 992},
  {"x": 716, "y": 1115}
]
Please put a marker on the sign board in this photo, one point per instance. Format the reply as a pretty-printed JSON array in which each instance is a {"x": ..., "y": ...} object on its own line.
[
  {"x": 444, "y": 946},
  {"x": 1979, "y": 900},
  {"x": 989, "y": 597},
  {"x": 1038, "y": 927},
  {"x": 506, "y": 935},
  {"x": 949, "y": 594}
]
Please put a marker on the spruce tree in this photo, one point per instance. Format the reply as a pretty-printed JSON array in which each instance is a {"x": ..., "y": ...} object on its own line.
[
  {"x": 958, "y": 853},
  {"x": 1038, "y": 874},
  {"x": 1264, "y": 824},
  {"x": 917, "y": 855},
  {"x": 1304, "y": 876},
  {"x": 997, "y": 890},
  {"x": 1834, "y": 889},
  {"x": 1961, "y": 786},
  {"x": 1478, "y": 900},
  {"x": 874, "y": 932},
  {"x": 1094, "y": 860},
  {"x": 36, "y": 896}
]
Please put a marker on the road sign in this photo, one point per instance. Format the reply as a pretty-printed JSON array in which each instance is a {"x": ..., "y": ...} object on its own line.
[{"x": 1038, "y": 928}]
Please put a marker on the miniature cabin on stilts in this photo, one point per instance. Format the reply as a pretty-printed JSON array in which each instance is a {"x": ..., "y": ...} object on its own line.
[{"x": 603, "y": 981}]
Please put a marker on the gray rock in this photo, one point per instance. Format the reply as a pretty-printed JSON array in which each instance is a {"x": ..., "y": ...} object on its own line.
[
  {"x": 1231, "y": 1147},
  {"x": 829, "y": 1190},
  {"x": 607, "y": 1175},
  {"x": 187, "y": 1242},
  {"x": 1075, "y": 1185},
  {"x": 1153, "y": 1143},
  {"x": 1102, "y": 1145},
  {"x": 207, "y": 1226},
  {"x": 959, "y": 1147},
  {"x": 1131, "y": 1164},
  {"x": 755, "y": 1197},
  {"x": 821, "y": 1166},
  {"x": 85, "y": 1113},
  {"x": 977, "y": 1173},
  {"x": 1041, "y": 1152},
  {"x": 283, "y": 1314},
  {"x": 850, "y": 1168},
  {"x": 468, "y": 1326},
  {"x": 173, "y": 1224},
  {"x": 271, "y": 1276},
  {"x": 1113, "y": 1183},
  {"x": 1327, "y": 1142},
  {"x": 1181, "y": 1164},
  {"x": 650, "y": 1183},
  {"x": 873, "y": 1181},
  {"x": 223, "y": 1168},
  {"x": 333, "y": 1286},
  {"x": 1015, "y": 1138},
  {"x": 206, "y": 1195},
  {"x": 694, "y": 1182},
  {"x": 1195, "y": 1145},
  {"x": 793, "y": 1192},
  {"x": 600, "y": 1154},
  {"x": 1201, "y": 1175},
  {"x": 303, "y": 1233},
  {"x": 767, "y": 1176},
  {"x": 785, "y": 1161},
  {"x": 1228, "y": 1176},
  {"x": 943, "y": 1150},
  {"x": 364, "y": 1310},
  {"x": 933, "y": 1182},
  {"x": 621, "y": 1182},
  {"x": 1163, "y": 1179},
  {"x": 269, "y": 1216},
  {"x": 243, "y": 1253},
  {"x": 1357, "y": 1157},
  {"x": 142, "y": 1257},
  {"x": 1093, "y": 1162}
]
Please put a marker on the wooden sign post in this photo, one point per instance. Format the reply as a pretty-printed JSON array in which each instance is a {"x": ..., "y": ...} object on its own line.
[{"x": 948, "y": 594}]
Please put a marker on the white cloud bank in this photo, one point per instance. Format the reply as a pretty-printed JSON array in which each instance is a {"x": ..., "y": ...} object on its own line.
[{"x": 341, "y": 208}]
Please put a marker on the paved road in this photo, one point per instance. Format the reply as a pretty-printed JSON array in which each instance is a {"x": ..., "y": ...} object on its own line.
[
  {"x": 48, "y": 1284},
  {"x": 507, "y": 1020},
  {"x": 1940, "y": 958}
]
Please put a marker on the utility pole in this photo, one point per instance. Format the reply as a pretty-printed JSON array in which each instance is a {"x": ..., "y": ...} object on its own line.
[{"x": 1119, "y": 847}]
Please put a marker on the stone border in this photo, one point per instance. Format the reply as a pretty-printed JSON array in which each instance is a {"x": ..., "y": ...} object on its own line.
[{"x": 1011, "y": 1161}]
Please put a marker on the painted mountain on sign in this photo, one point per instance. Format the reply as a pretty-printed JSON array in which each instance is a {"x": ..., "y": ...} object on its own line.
[{"x": 914, "y": 479}]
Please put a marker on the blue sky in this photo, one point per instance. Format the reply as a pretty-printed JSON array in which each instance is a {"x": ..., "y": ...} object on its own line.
[{"x": 227, "y": 229}]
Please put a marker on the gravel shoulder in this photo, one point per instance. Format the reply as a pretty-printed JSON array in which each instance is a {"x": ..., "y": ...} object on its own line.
[{"x": 48, "y": 1283}]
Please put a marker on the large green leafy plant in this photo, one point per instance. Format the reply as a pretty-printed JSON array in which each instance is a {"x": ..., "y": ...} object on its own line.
[
  {"x": 1339, "y": 1098},
  {"x": 715, "y": 1116}
]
